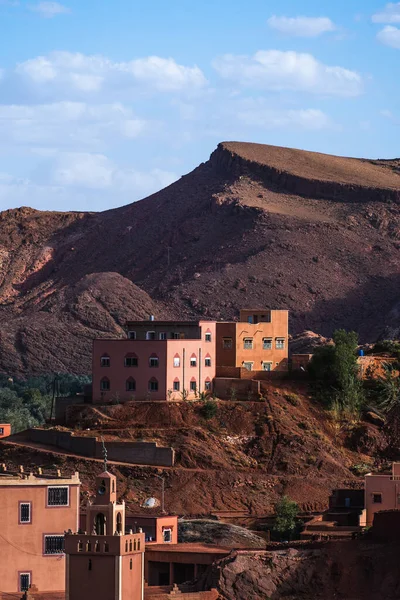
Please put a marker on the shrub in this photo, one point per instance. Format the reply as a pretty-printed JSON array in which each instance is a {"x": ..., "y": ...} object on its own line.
[
  {"x": 293, "y": 399},
  {"x": 209, "y": 409},
  {"x": 286, "y": 525}
]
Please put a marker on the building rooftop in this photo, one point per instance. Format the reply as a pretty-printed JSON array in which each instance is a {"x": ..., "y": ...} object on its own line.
[
  {"x": 12, "y": 479},
  {"x": 189, "y": 548}
]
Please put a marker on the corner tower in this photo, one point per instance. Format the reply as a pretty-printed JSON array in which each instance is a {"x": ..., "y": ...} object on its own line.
[{"x": 105, "y": 563}]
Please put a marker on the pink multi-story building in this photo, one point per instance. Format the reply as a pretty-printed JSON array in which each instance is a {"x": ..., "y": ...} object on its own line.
[{"x": 158, "y": 360}]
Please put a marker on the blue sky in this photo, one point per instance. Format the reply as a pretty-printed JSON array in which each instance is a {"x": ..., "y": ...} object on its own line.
[{"x": 103, "y": 103}]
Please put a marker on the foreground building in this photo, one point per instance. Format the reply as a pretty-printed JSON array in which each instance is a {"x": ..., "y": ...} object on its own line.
[
  {"x": 382, "y": 492},
  {"x": 178, "y": 360},
  {"x": 34, "y": 513}
]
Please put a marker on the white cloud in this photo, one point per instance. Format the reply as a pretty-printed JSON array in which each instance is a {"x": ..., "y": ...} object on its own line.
[
  {"x": 390, "y": 14},
  {"x": 276, "y": 70},
  {"x": 97, "y": 171},
  {"x": 75, "y": 71},
  {"x": 390, "y": 36},
  {"x": 258, "y": 115},
  {"x": 67, "y": 124},
  {"x": 301, "y": 26},
  {"x": 48, "y": 10}
]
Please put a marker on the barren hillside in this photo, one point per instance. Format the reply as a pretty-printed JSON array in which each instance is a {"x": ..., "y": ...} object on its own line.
[{"x": 254, "y": 225}]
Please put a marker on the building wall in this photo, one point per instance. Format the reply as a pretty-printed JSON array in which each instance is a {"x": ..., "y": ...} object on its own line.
[
  {"x": 189, "y": 330},
  {"x": 5, "y": 430},
  {"x": 277, "y": 328},
  {"x": 185, "y": 373},
  {"x": 98, "y": 582},
  {"x": 132, "y": 578},
  {"x": 118, "y": 374},
  {"x": 226, "y": 357},
  {"x": 22, "y": 544},
  {"x": 390, "y": 490}
]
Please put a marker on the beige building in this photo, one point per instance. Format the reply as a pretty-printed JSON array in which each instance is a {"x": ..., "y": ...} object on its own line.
[{"x": 382, "y": 492}]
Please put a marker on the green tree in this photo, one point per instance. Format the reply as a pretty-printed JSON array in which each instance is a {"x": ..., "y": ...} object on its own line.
[
  {"x": 335, "y": 370},
  {"x": 286, "y": 525}
]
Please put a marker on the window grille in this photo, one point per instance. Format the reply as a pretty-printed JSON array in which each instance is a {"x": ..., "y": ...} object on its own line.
[
  {"x": 53, "y": 544},
  {"x": 280, "y": 344},
  {"x": 25, "y": 512},
  {"x": 58, "y": 496},
  {"x": 267, "y": 344},
  {"x": 248, "y": 343},
  {"x": 24, "y": 581}
]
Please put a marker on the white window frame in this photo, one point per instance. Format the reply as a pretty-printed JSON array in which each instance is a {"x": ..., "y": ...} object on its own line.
[
  {"x": 193, "y": 361},
  {"x": 25, "y": 574},
  {"x": 208, "y": 337},
  {"x": 155, "y": 360},
  {"x": 131, "y": 335},
  {"x": 248, "y": 362},
  {"x": 267, "y": 343},
  {"x": 207, "y": 361},
  {"x": 267, "y": 362},
  {"x": 150, "y": 335},
  {"x": 46, "y": 536},
  {"x": 170, "y": 535},
  {"x": 177, "y": 361},
  {"x": 58, "y": 487},
  {"x": 280, "y": 343},
  {"x": 162, "y": 335},
  {"x": 21, "y": 504},
  {"x": 246, "y": 342}
]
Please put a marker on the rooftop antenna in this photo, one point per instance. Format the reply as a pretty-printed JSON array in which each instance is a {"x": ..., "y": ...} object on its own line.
[{"x": 104, "y": 455}]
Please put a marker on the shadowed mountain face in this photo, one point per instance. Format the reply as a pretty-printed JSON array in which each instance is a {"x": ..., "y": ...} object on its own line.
[{"x": 254, "y": 226}]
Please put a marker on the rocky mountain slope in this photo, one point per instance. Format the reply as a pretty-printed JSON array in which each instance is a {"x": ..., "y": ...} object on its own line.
[{"x": 254, "y": 225}]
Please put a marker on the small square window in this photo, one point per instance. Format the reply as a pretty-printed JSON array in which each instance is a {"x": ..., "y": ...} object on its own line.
[
  {"x": 162, "y": 336},
  {"x": 193, "y": 386},
  {"x": 25, "y": 512},
  {"x": 280, "y": 343},
  {"x": 208, "y": 337},
  {"x": 153, "y": 362},
  {"x": 267, "y": 366},
  {"x": 193, "y": 361},
  {"x": 58, "y": 496},
  {"x": 267, "y": 343},
  {"x": 105, "y": 361},
  {"x": 248, "y": 366},
  {"x": 207, "y": 362},
  {"x": 227, "y": 343},
  {"x": 248, "y": 343},
  {"x": 177, "y": 361},
  {"x": 54, "y": 544},
  {"x": 132, "y": 335},
  {"x": 377, "y": 498},
  {"x": 176, "y": 386}
]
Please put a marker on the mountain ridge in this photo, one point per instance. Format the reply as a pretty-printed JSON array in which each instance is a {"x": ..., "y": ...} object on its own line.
[{"x": 243, "y": 228}]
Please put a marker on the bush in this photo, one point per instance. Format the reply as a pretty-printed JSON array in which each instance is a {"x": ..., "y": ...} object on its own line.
[
  {"x": 293, "y": 399},
  {"x": 286, "y": 526},
  {"x": 209, "y": 409}
]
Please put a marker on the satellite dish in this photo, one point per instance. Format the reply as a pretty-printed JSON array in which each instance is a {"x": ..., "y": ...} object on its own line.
[{"x": 150, "y": 503}]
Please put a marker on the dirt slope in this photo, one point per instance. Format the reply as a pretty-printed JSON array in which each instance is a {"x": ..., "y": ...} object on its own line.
[{"x": 255, "y": 225}]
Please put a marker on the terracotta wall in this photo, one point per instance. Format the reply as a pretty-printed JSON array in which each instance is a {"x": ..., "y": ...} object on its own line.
[
  {"x": 22, "y": 544},
  {"x": 389, "y": 488},
  {"x": 118, "y": 374},
  {"x": 386, "y": 526},
  {"x": 5, "y": 430},
  {"x": 243, "y": 389},
  {"x": 278, "y": 328},
  {"x": 145, "y": 453}
]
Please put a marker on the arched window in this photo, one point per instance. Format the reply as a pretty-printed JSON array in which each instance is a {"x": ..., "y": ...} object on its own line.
[
  {"x": 119, "y": 523},
  {"x": 126, "y": 546},
  {"x": 153, "y": 361},
  {"x": 193, "y": 385},
  {"x": 105, "y": 384},
  {"x": 130, "y": 564},
  {"x": 100, "y": 524},
  {"x": 80, "y": 546},
  {"x": 207, "y": 384},
  {"x": 177, "y": 385},
  {"x": 193, "y": 360},
  {"x": 105, "y": 360},
  {"x": 130, "y": 546},
  {"x": 130, "y": 385},
  {"x": 131, "y": 360},
  {"x": 138, "y": 545},
  {"x": 177, "y": 360},
  {"x": 97, "y": 546},
  {"x": 153, "y": 385},
  {"x": 134, "y": 545},
  {"x": 207, "y": 360},
  {"x": 88, "y": 546},
  {"x": 106, "y": 547}
]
